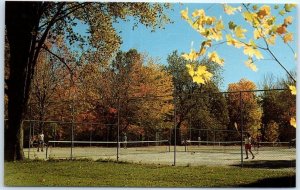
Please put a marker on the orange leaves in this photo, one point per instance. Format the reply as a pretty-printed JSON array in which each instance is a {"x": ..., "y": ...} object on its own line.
[
  {"x": 281, "y": 29},
  {"x": 264, "y": 11},
  {"x": 243, "y": 85}
]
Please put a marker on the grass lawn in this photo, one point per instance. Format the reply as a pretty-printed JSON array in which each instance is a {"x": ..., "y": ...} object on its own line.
[{"x": 101, "y": 174}]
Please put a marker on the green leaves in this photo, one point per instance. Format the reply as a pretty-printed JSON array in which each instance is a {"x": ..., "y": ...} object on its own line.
[
  {"x": 231, "y": 25},
  {"x": 289, "y": 7}
]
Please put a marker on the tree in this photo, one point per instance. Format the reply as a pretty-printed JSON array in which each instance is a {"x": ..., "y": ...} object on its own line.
[
  {"x": 265, "y": 27},
  {"x": 243, "y": 106},
  {"x": 196, "y": 103},
  {"x": 29, "y": 24},
  {"x": 272, "y": 132},
  {"x": 278, "y": 107},
  {"x": 46, "y": 79},
  {"x": 144, "y": 91}
]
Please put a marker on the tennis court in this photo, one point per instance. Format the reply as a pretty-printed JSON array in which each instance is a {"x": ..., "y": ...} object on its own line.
[{"x": 162, "y": 153}]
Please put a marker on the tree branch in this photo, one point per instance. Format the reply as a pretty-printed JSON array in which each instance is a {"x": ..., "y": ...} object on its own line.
[
  {"x": 59, "y": 58},
  {"x": 268, "y": 48},
  {"x": 72, "y": 9},
  {"x": 45, "y": 34}
]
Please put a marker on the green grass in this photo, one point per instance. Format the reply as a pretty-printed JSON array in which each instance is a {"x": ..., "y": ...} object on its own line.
[{"x": 101, "y": 174}]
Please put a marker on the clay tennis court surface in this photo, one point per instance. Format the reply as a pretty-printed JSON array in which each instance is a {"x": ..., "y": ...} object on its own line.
[{"x": 164, "y": 155}]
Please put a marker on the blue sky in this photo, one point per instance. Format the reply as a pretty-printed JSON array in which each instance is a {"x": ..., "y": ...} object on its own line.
[{"x": 180, "y": 35}]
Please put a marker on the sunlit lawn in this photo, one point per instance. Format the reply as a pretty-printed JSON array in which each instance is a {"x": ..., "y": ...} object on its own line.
[{"x": 92, "y": 173}]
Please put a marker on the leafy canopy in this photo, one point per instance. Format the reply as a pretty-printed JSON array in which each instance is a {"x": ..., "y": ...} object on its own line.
[{"x": 266, "y": 28}]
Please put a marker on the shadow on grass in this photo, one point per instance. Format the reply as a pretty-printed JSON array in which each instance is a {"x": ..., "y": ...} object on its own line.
[
  {"x": 288, "y": 181},
  {"x": 269, "y": 164}
]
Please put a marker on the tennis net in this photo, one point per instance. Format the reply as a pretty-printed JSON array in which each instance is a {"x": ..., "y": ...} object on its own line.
[
  {"x": 103, "y": 149},
  {"x": 213, "y": 146}
]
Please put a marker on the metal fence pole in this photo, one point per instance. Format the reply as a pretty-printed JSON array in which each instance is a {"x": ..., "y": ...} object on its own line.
[
  {"x": 174, "y": 133},
  {"x": 241, "y": 124},
  {"x": 118, "y": 138},
  {"x": 72, "y": 131},
  {"x": 29, "y": 143}
]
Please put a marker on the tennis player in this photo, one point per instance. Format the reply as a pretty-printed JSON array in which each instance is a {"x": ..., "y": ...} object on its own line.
[
  {"x": 248, "y": 145},
  {"x": 125, "y": 141},
  {"x": 40, "y": 141}
]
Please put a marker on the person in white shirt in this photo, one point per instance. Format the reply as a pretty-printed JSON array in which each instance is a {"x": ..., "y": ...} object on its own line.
[
  {"x": 248, "y": 145},
  {"x": 40, "y": 141},
  {"x": 125, "y": 141}
]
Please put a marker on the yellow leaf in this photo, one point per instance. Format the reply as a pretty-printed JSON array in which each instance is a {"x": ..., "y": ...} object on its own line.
[
  {"x": 192, "y": 56},
  {"x": 191, "y": 69},
  {"x": 257, "y": 33},
  {"x": 219, "y": 25},
  {"x": 198, "y": 13},
  {"x": 215, "y": 58},
  {"x": 288, "y": 20},
  {"x": 233, "y": 42},
  {"x": 198, "y": 79},
  {"x": 184, "y": 14},
  {"x": 293, "y": 122},
  {"x": 204, "y": 44},
  {"x": 293, "y": 89},
  {"x": 249, "y": 63},
  {"x": 272, "y": 39},
  {"x": 231, "y": 10},
  {"x": 251, "y": 50},
  {"x": 269, "y": 21},
  {"x": 209, "y": 20},
  {"x": 252, "y": 18},
  {"x": 288, "y": 37},
  {"x": 264, "y": 11},
  {"x": 239, "y": 32},
  {"x": 201, "y": 75},
  {"x": 202, "y": 50},
  {"x": 211, "y": 33}
]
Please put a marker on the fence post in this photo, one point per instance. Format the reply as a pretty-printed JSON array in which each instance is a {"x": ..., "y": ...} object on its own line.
[
  {"x": 118, "y": 138},
  {"x": 30, "y": 125},
  {"x": 174, "y": 132},
  {"x": 241, "y": 124}
]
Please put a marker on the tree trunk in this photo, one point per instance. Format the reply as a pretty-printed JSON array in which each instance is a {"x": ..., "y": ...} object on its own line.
[{"x": 21, "y": 18}]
